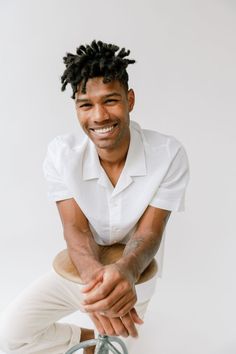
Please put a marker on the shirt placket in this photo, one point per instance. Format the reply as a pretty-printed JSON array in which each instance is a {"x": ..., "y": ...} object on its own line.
[{"x": 115, "y": 219}]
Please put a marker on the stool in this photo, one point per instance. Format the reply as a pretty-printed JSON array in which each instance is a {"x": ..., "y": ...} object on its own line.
[{"x": 63, "y": 265}]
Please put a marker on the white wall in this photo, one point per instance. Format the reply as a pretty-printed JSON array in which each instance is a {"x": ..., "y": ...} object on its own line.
[{"x": 185, "y": 85}]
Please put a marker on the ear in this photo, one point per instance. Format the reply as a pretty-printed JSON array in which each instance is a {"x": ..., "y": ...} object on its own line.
[{"x": 131, "y": 99}]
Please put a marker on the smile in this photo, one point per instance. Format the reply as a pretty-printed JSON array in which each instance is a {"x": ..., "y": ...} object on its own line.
[{"x": 105, "y": 129}]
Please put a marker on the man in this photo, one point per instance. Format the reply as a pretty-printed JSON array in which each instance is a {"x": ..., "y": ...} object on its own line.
[{"x": 118, "y": 183}]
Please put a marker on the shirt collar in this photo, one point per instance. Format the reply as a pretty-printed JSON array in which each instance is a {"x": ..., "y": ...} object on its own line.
[{"x": 135, "y": 164}]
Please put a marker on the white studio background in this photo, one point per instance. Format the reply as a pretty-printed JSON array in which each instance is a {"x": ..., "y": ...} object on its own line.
[{"x": 185, "y": 86}]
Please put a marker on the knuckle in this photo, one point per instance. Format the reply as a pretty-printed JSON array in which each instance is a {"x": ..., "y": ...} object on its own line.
[
  {"x": 121, "y": 313},
  {"x": 122, "y": 331},
  {"x": 108, "y": 306},
  {"x": 117, "y": 275},
  {"x": 125, "y": 285},
  {"x": 132, "y": 302},
  {"x": 128, "y": 321},
  {"x": 125, "y": 334},
  {"x": 100, "y": 330},
  {"x": 112, "y": 314},
  {"x": 102, "y": 293},
  {"x": 111, "y": 332}
]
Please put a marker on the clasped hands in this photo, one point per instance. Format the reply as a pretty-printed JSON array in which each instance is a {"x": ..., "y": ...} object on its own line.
[{"x": 109, "y": 299}]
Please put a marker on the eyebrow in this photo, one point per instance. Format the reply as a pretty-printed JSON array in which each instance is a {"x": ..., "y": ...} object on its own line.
[{"x": 79, "y": 100}]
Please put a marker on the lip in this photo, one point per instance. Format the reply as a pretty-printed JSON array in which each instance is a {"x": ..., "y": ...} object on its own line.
[
  {"x": 106, "y": 134},
  {"x": 104, "y": 126}
]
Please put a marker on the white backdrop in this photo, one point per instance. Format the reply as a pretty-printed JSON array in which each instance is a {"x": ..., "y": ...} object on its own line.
[{"x": 185, "y": 86}]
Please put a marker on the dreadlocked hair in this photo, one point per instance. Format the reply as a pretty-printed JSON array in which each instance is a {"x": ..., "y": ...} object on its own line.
[{"x": 95, "y": 60}]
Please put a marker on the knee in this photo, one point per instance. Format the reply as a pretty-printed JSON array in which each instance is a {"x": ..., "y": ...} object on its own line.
[
  {"x": 12, "y": 339},
  {"x": 7, "y": 343}
]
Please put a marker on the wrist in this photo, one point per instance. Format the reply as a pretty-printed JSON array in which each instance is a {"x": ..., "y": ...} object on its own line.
[
  {"x": 128, "y": 266},
  {"x": 87, "y": 265},
  {"x": 90, "y": 270}
]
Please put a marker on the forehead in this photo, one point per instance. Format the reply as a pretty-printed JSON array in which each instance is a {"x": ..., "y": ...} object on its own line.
[{"x": 96, "y": 87}]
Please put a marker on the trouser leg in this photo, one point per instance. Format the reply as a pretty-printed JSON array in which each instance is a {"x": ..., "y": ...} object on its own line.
[{"x": 29, "y": 326}]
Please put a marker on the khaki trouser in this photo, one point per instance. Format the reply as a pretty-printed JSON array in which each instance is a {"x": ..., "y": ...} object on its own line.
[{"x": 29, "y": 325}]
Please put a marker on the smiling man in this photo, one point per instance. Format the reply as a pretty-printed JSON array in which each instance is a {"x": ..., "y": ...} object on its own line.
[{"x": 117, "y": 184}]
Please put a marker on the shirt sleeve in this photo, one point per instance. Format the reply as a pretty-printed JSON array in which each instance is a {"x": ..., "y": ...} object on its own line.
[
  {"x": 171, "y": 193},
  {"x": 56, "y": 187}
]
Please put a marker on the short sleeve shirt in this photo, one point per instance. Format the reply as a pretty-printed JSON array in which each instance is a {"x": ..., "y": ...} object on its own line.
[{"x": 156, "y": 173}]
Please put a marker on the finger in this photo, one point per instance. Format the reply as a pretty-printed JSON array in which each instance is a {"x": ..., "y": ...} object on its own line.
[
  {"x": 99, "y": 306},
  {"x": 119, "y": 327},
  {"x": 106, "y": 324},
  {"x": 123, "y": 306},
  {"x": 82, "y": 302},
  {"x": 99, "y": 293},
  {"x": 130, "y": 326},
  {"x": 97, "y": 324},
  {"x": 111, "y": 289},
  {"x": 92, "y": 284},
  {"x": 109, "y": 282},
  {"x": 108, "y": 302},
  {"x": 135, "y": 316}
]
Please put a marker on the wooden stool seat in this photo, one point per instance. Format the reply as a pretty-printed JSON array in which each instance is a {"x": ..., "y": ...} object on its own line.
[{"x": 63, "y": 265}]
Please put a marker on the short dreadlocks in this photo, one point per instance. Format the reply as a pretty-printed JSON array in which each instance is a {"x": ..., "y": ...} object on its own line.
[{"x": 95, "y": 60}]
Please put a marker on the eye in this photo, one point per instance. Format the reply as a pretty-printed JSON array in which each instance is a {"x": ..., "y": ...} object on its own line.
[
  {"x": 111, "y": 101},
  {"x": 85, "y": 105}
]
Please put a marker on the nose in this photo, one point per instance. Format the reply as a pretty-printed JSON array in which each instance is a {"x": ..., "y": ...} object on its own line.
[{"x": 100, "y": 113}]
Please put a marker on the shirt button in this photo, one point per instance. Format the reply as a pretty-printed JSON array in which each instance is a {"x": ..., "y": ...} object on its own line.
[{"x": 113, "y": 203}]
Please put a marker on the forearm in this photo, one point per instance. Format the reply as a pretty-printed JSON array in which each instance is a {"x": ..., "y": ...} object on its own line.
[
  {"x": 83, "y": 251},
  {"x": 145, "y": 242},
  {"x": 138, "y": 253},
  {"x": 116, "y": 296}
]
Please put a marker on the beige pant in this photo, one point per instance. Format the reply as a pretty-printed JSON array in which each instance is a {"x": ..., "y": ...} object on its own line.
[{"x": 29, "y": 325}]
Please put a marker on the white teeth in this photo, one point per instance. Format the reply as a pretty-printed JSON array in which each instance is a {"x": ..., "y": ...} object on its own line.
[{"x": 104, "y": 130}]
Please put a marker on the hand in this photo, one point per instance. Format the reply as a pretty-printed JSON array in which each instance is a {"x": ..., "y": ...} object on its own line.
[
  {"x": 90, "y": 275},
  {"x": 115, "y": 295},
  {"x": 124, "y": 326}
]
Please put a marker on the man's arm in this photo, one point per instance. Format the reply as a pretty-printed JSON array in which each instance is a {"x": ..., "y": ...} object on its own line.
[
  {"x": 111, "y": 298},
  {"x": 145, "y": 242},
  {"x": 84, "y": 253},
  {"x": 82, "y": 248}
]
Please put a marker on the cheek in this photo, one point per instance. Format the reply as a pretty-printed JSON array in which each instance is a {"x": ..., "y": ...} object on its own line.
[
  {"x": 81, "y": 118},
  {"x": 121, "y": 112}
]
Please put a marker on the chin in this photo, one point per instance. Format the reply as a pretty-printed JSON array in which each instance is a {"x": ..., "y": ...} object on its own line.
[
  {"x": 104, "y": 143},
  {"x": 104, "y": 146}
]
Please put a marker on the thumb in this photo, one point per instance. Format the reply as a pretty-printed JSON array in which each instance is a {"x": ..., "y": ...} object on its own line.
[{"x": 97, "y": 279}]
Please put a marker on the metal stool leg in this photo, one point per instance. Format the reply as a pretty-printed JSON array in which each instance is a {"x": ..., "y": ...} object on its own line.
[{"x": 103, "y": 345}]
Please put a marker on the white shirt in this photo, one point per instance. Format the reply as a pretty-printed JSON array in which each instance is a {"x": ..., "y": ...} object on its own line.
[{"x": 156, "y": 172}]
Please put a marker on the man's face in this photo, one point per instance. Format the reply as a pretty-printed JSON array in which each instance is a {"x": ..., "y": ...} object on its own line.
[{"x": 103, "y": 112}]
